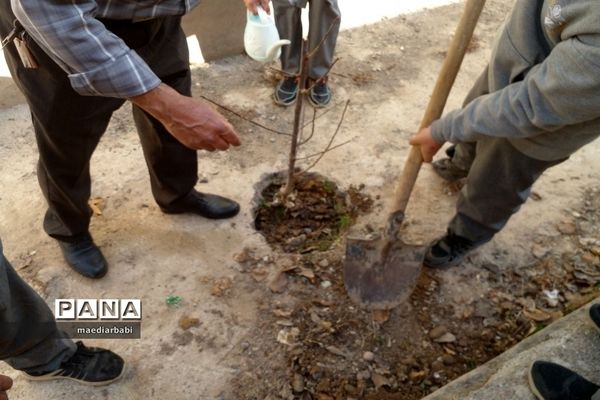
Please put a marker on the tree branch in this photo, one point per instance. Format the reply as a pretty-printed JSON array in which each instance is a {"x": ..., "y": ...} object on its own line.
[{"x": 244, "y": 118}]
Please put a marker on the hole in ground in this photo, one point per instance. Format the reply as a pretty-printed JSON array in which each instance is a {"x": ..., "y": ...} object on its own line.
[{"x": 313, "y": 216}]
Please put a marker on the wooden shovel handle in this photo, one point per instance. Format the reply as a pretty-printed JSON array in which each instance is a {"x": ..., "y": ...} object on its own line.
[{"x": 450, "y": 68}]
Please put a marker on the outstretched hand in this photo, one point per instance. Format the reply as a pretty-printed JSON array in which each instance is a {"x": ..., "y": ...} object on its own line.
[
  {"x": 193, "y": 122},
  {"x": 252, "y": 4},
  {"x": 5, "y": 384},
  {"x": 428, "y": 145}
]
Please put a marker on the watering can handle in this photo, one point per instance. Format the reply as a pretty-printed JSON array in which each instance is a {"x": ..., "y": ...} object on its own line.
[
  {"x": 262, "y": 15},
  {"x": 446, "y": 78}
]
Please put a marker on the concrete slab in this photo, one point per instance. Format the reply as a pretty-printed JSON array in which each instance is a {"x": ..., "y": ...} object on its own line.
[{"x": 572, "y": 342}]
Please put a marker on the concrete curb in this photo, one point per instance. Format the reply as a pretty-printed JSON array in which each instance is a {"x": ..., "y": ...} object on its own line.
[{"x": 571, "y": 341}]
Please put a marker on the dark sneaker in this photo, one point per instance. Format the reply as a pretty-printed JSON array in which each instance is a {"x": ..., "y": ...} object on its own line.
[
  {"x": 320, "y": 94},
  {"x": 89, "y": 365},
  {"x": 595, "y": 315},
  {"x": 448, "y": 251},
  {"x": 447, "y": 170},
  {"x": 286, "y": 92},
  {"x": 550, "y": 381}
]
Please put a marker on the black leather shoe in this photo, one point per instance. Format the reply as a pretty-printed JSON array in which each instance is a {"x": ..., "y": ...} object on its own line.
[
  {"x": 84, "y": 256},
  {"x": 204, "y": 204}
]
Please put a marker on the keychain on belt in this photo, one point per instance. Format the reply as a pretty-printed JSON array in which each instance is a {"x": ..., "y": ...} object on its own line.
[{"x": 17, "y": 36}]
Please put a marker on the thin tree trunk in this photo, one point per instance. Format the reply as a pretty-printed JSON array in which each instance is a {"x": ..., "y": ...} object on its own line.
[{"x": 298, "y": 119}]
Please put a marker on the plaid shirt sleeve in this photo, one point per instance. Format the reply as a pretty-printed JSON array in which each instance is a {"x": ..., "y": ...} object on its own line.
[{"x": 98, "y": 62}]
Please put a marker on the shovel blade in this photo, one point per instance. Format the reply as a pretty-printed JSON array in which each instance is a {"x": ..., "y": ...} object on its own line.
[{"x": 377, "y": 278}]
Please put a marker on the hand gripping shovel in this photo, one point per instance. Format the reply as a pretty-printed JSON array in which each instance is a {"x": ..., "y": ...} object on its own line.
[{"x": 380, "y": 274}]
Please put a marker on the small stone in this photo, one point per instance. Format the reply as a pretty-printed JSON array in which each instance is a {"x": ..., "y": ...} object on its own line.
[
  {"x": 446, "y": 338},
  {"x": 437, "y": 332},
  {"x": 368, "y": 356},
  {"x": 567, "y": 228},
  {"x": 325, "y": 284},
  {"x": 297, "y": 241},
  {"x": 324, "y": 263},
  {"x": 298, "y": 383},
  {"x": 363, "y": 375}
]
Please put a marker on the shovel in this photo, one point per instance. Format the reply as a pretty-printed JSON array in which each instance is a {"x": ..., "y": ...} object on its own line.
[{"x": 380, "y": 274}]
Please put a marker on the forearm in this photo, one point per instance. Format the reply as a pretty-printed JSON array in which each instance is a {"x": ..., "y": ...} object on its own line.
[
  {"x": 561, "y": 91},
  {"x": 98, "y": 62}
]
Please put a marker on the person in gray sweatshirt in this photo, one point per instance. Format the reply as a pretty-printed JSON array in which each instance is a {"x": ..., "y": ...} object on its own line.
[{"x": 536, "y": 103}]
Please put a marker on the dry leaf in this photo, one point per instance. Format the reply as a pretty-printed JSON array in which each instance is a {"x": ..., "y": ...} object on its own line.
[
  {"x": 186, "y": 322},
  {"x": 97, "y": 205},
  {"x": 337, "y": 351},
  {"x": 381, "y": 316},
  {"x": 379, "y": 380},
  {"x": 537, "y": 315},
  {"x": 221, "y": 286},
  {"x": 279, "y": 282},
  {"x": 259, "y": 274},
  {"x": 307, "y": 273},
  {"x": 283, "y": 313}
]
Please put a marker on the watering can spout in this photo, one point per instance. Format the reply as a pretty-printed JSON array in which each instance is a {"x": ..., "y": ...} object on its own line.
[{"x": 275, "y": 51}]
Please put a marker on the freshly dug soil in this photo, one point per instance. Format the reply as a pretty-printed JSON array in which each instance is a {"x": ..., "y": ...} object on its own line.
[{"x": 312, "y": 217}]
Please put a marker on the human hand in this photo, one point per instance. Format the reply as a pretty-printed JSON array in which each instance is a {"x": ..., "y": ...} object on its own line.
[
  {"x": 252, "y": 4},
  {"x": 194, "y": 123},
  {"x": 428, "y": 145},
  {"x": 5, "y": 384}
]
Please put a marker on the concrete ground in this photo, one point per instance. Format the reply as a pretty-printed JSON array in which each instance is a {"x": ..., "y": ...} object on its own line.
[
  {"x": 387, "y": 69},
  {"x": 573, "y": 342}
]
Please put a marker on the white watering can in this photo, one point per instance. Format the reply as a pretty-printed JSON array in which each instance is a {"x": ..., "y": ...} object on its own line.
[{"x": 261, "y": 39}]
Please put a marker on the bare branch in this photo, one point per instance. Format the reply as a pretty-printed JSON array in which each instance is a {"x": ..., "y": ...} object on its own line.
[
  {"x": 325, "y": 112},
  {"x": 328, "y": 148},
  {"x": 312, "y": 132},
  {"x": 323, "y": 152},
  {"x": 244, "y": 118},
  {"x": 279, "y": 71}
]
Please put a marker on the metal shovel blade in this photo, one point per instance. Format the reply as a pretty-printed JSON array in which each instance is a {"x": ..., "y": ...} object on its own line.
[{"x": 380, "y": 275}]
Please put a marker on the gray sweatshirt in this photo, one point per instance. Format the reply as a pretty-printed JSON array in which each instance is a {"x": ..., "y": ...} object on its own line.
[{"x": 544, "y": 82}]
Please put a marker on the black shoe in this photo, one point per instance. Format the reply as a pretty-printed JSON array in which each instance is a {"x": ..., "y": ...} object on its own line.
[
  {"x": 595, "y": 315},
  {"x": 447, "y": 170},
  {"x": 89, "y": 365},
  {"x": 84, "y": 256},
  {"x": 286, "y": 92},
  {"x": 204, "y": 204},
  {"x": 320, "y": 95},
  {"x": 448, "y": 251},
  {"x": 550, "y": 381}
]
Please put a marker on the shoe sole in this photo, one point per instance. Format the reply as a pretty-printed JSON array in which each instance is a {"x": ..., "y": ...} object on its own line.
[
  {"x": 177, "y": 212},
  {"x": 283, "y": 104},
  {"x": 46, "y": 378},
  {"x": 532, "y": 386}
]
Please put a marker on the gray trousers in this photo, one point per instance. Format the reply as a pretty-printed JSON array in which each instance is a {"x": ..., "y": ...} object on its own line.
[
  {"x": 499, "y": 181},
  {"x": 29, "y": 339},
  {"x": 322, "y": 15}
]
